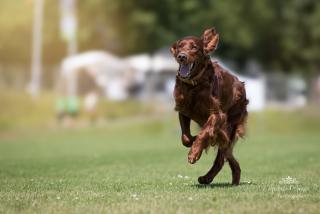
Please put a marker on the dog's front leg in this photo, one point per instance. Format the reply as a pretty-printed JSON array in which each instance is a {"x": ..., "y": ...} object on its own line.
[
  {"x": 202, "y": 139},
  {"x": 186, "y": 137},
  {"x": 207, "y": 134}
]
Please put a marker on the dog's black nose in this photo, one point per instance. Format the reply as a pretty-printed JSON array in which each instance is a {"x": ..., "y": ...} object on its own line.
[{"x": 182, "y": 57}]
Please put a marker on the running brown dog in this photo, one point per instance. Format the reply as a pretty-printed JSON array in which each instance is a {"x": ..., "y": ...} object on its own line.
[{"x": 212, "y": 97}]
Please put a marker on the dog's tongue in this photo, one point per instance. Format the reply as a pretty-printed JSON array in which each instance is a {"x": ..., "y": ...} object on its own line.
[{"x": 184, "y": 69}]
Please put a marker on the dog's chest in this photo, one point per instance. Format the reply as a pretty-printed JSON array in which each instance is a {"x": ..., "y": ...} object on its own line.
[{"x": 193, "y": 102}]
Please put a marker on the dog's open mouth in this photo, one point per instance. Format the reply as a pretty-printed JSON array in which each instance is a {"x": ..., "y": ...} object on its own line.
[{"x": 185, "y": 69}]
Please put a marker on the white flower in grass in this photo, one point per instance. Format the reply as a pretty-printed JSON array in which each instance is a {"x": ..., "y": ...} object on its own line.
[
  {"x": 183, "y": 177},
  {"x": 58, "y": 198},
  {"x": 288, "y": 180},
  {"x": 190, "y": 198},
  {"x": 135, "y": 196}
]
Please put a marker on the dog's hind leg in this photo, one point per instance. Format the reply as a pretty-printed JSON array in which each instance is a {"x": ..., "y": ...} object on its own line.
[
  {"x": 234, "y": 165},
  {"x": 235, "y": 168},
  {"x": 215, "y": 169}
]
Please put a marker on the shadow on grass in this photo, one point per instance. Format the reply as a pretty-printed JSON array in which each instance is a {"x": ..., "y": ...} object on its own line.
[{"x": 221, "y": 185}]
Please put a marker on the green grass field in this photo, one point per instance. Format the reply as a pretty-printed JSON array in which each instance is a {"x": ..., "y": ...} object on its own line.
[{"x": 140, "y": 166}]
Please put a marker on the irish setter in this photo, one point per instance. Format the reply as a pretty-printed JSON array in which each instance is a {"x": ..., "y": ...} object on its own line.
[{"x": 212, "y": 97}]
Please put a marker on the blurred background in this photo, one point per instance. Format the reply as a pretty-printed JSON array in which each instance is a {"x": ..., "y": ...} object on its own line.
[{"x": 69, "y": 63}]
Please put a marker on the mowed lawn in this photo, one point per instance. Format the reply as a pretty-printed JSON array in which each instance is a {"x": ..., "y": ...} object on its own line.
[{"x": 140, "y": 166}]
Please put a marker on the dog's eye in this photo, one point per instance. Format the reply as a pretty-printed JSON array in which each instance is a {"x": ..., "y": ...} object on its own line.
[{"x": 193, "y": 47}]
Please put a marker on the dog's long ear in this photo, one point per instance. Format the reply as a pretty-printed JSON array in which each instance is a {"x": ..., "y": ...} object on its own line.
[
  {"x": 210, "y": 39},
  {"x": 173, "y": 48}
]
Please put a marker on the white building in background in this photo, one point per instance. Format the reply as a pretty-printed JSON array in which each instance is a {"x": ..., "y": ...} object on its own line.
[
  {"x": 108, "y": 72},
  {"x": 152, "y": 76},
  {"x": 256, "y": 92}
]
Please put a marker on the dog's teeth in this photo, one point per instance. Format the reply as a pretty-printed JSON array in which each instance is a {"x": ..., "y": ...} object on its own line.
[{"x": 192, "y": 65}]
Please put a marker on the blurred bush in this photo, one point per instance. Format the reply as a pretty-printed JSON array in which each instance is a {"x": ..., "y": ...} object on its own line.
[{"x": 282, "y": 35}]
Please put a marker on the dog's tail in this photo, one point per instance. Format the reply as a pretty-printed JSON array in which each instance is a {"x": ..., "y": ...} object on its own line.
[
  {"x": 241, "y": 128},
  {"x": 241, "y": 131}
]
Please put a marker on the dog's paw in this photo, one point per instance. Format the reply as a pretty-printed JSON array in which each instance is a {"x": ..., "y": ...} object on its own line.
[
  {"x": 205, "y": 179},
  {"x": 235, "y": 182},
  {"x": 186, "y": 141},
  {"x": 195, "y": 153}
]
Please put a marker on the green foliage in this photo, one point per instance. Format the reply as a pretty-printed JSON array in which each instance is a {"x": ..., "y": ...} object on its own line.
[{"x": 280, "y": 34}]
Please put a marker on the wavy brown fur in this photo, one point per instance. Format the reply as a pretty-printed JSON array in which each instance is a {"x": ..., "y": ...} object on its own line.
[{"x": 217, "y": 103}]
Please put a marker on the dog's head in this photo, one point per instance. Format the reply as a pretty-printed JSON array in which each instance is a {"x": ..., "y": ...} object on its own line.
[{"x": 190, "y": 52}]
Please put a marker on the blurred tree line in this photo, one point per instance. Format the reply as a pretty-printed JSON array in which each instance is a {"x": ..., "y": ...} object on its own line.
[{"x": 280, "y": 34}]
